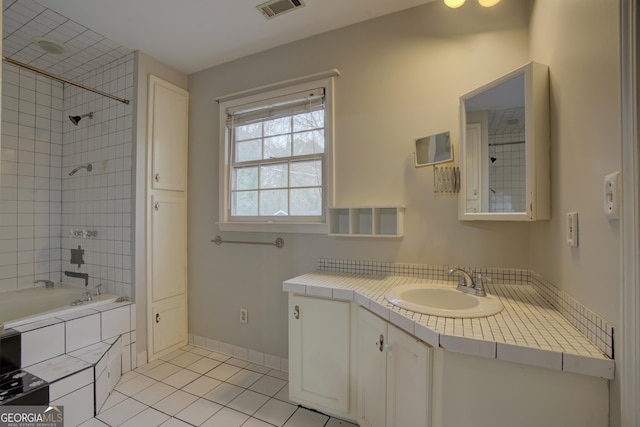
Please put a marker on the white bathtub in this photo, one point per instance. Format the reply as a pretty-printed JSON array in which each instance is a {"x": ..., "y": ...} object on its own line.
[{"x": 32, "y": 305}]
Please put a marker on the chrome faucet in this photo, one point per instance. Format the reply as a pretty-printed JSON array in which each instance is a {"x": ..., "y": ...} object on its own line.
[
  {"x": 87, "y": 296},
  {"x": 97, "y": 290},
  {"x": 47, "y": 283},
  {"x": 468, "y": 284}
]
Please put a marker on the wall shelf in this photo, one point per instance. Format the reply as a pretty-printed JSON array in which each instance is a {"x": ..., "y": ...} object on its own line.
[{"x": 371, "y": 221}]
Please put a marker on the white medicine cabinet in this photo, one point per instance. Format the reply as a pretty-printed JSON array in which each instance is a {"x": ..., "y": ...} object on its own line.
[{"x": 505, "y": 148}]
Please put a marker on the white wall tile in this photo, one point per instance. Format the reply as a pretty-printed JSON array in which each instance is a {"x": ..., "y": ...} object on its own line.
[
  {"x": 42, "y": 344},
  {"x": 115, "y": 322},
  {"x": 82, "y": 332},
  {"x": 70, "y": 384},
  {"x": 78, "y": 406}
]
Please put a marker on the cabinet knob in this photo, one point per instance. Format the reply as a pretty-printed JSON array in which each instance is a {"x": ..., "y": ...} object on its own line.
[
  {"x": 156, "y": 177},
  {"x": 157, "y": 317},
  {"x": 380, "y": 343},
  {"x": 156, "y": 206},
  {"x": 296, "y": 312}
]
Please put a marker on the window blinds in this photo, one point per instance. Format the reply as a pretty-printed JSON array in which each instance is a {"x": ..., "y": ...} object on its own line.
[{"x": 301, "y": 102}]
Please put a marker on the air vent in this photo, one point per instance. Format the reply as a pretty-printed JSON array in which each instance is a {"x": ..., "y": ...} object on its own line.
[{"x": 274, "y": 8}]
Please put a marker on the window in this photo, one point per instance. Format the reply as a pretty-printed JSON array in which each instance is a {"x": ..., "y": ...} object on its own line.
[{"x": 276, "y": 150}]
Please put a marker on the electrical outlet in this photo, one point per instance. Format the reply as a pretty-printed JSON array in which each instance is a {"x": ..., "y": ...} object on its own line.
[{"x": 244, "y": 315}]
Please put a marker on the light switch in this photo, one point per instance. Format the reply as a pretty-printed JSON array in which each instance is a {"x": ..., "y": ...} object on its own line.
[
  {"x": 611, "y": 196},
  {"x": 572, "y": 229}
]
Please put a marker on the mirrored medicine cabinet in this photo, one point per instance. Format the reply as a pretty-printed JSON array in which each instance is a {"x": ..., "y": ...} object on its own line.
[{"x": 504, "y": 154}]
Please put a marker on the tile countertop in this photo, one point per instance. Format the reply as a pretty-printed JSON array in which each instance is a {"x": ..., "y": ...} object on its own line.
[{"x": 528, "y": 330}]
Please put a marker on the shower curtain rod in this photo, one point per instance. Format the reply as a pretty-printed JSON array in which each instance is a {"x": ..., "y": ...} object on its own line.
[{"x": 63, "y": 80}]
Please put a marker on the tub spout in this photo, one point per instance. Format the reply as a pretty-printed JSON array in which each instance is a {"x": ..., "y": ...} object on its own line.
[
  {"x": 84, "y": 276},
  {"x": 47, "y": 283}
]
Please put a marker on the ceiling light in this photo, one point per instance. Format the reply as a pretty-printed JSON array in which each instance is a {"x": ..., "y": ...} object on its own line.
[
  {"x": 50, "y": 45},
  {"x": 454, "y": 4},
  {"x": 488, "y": 3}
]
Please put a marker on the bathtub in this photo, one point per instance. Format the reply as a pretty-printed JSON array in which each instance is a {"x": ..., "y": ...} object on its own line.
[{"x": 32, "y": 305}]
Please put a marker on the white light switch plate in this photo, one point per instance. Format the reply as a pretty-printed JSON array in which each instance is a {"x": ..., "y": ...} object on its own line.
[
  {"x": 611, "y": 196},
  {"x": 572, "y": 229}
]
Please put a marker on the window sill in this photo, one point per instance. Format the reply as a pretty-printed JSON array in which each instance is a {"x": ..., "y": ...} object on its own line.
[{"x": 274, "y": 227}]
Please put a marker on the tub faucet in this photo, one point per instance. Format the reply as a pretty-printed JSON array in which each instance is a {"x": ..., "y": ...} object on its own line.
[
  {"x": 468, "y": 284},
  {"x": 98, "y": 289},
  {"x": 47, "y": 283},
  {"x": 84, "y": 276},
  {"x": 87, "y": 296}
]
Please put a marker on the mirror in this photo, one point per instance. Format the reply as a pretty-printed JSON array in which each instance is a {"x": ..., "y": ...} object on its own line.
[
  {"x": 505, "y": 148},
  {"x": 433, "y": 149}
]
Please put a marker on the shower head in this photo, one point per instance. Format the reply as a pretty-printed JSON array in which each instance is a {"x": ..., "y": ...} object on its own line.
[
  {"x": 76, "y": 119},
  {"x": 88, "y": 167}
]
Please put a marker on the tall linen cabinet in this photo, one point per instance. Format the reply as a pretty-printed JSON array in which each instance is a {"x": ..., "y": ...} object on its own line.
[{"x": 167, "y": 157}]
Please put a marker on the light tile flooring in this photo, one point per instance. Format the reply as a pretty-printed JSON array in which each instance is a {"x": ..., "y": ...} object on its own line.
[{"x": 197, "y": 387}]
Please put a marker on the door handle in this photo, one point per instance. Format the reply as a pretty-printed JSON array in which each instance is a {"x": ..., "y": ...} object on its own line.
[
  {"x": 157, "y": 317},
  {"x": 156, "y": 206},
  {"x": 380, "y": 343},
  {"x": 296, "y": 312},
  {"x": 157, "y": 177}
]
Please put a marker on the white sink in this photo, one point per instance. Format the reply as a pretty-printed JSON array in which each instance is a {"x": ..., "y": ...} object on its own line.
[{"x": 439, "y": 300}]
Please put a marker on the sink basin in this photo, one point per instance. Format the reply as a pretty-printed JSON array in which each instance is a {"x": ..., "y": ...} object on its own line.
[{"x": 443, "y": 301}]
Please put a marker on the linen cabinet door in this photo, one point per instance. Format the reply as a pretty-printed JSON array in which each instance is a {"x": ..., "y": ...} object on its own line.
[{"x": 168, "y": 135}]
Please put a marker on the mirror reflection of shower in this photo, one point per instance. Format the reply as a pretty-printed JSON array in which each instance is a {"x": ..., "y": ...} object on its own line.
[
  {"x": 76, "y": 119},
  {"x": 88, "y": 167}
]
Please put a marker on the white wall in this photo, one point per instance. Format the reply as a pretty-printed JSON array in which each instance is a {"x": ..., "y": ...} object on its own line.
[
  {"x": 578, "y": 39},
  {"x": 401, "y": 79}
]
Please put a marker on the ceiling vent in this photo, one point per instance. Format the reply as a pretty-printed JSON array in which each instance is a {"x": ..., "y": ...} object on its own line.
[{"x": 274, "y": 8}]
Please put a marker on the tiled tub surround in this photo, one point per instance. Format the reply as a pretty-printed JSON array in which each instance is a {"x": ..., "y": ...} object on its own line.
[
  {"x": 81, "y": 355},
  {"x": 528, "y": 330}
]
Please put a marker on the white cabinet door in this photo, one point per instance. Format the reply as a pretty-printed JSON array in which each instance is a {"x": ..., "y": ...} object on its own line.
[
  {"x": 168, "y": 247},
  {"x": 168, "y": 134},
  {"x": 408, "y": 381},
  {"x": 169, "y": 324},
  {"x": 372, "y": 369},
  {"x": 320, "y": 354}
]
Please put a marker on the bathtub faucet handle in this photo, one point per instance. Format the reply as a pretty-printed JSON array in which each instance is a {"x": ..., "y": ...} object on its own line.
[
  {"x": 97, "y": 290},
  {"x": 87, "y": 296}
]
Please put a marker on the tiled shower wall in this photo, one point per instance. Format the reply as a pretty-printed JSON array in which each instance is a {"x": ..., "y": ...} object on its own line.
[
  {"x": 99, "y": 200},
  {"x": 40, "y": 204},
  {"x": 507, "y": 161},
  {"x": 30, "y": 184}
]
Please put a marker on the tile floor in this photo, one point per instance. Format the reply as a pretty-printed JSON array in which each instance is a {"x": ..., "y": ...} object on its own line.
[{"x": 197, "y": 387}]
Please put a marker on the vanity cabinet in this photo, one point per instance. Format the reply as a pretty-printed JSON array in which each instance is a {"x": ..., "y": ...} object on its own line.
[
  {"x": 322, "y": 375},
  {"x": 394, "y": 371}
]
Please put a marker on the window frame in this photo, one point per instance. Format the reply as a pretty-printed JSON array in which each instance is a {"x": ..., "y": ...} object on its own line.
[{"x": 282, "y": 224}]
